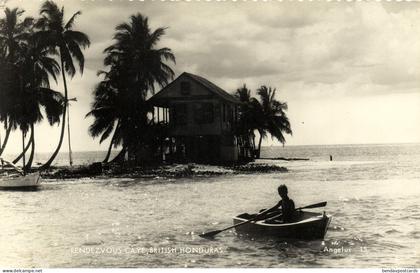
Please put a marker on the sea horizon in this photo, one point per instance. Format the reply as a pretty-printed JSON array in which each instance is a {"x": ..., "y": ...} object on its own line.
[{"x": 263, "y": 146}]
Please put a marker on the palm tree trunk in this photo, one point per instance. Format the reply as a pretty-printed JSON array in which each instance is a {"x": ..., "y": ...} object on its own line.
[
  {"x": 32, "y": 141},
  {"x": 259, "y": 147},
  {"x": 68, "y": 134},
  {"x": 54, "y": 155},
  {"x": 253, "y": 145},
  {"x": 63, "y": 125},
  {"x": 108, "y": 154},
  {"x": 16, "y": 160},
  {"x": 120, "y": 156},
  {"x": 6, "y": 138},
  {"x": 23, "y": 148}
]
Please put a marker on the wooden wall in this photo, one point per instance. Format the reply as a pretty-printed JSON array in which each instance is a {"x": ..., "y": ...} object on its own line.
[{"x": 175, "y": 96}]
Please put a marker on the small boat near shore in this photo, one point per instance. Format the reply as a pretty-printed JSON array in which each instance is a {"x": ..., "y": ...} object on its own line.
[
  {"x": 31, "y": 180},
  {"x": 309, "y": 226},
  {"x": 16, "y": 178}
]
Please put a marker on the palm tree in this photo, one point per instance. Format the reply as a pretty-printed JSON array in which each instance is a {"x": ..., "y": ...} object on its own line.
[
  {"x": 134, "y": 52},
  {"x": 38, "y": 67},
  {"x": 27, "y": 111},
  {"x": 135, "y": 67},
  {"x": 5, "y": 88},
  {"x": 275, "y": 121},
  {"x": 58, "y": 34},
  {"x": 250, "y": 118},
  {"x": 13, "y": 33},
  {"x": 26, "y": 86},
  {"x": 107, "y": 111},
  {"x": 15, "y": 107},
  {"x": 266, "y": 116}
]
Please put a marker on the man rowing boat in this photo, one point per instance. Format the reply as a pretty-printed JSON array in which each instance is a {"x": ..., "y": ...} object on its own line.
[
  {"x": 251, "y": 223},
  {"x": 285, "y": 205}
]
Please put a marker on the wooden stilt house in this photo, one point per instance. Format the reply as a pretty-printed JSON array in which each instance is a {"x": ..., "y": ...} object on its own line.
[{"x": 200, "y": 119}]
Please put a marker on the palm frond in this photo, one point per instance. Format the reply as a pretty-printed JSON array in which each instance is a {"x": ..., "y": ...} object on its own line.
[
  {"x": 78, "y": 37},
  {"x": 70, "y": 23},
  {"x": 76, "y": 54},
  {"x": 107, "y": 133},
  {"x": 68, "y": 61},
  {"x": 53, "y": 102}
]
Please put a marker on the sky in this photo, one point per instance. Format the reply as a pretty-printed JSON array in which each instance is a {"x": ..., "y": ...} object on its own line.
[{"x": 349, "y": 71}]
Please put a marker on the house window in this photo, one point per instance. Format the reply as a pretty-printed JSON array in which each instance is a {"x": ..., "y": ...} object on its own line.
[
  {"x": 203, "y": 113},
  {"x": 185, "y": 88},
  {"x": 180, "y": 114}
]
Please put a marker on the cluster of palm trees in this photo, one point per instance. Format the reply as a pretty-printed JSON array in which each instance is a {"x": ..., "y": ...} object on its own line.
[
  {"x": 33, "y": 51},
  {"x": 265, "y": 115},
  {"x": 134, "y": 68}
]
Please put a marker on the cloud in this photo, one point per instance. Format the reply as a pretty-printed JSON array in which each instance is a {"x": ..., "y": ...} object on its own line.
[
  {"x": 308, "y": 50},
  {"x": 311, "y": 42},
  {"x": 285, "y": 15},
  {"x": 229, "y": 60}
]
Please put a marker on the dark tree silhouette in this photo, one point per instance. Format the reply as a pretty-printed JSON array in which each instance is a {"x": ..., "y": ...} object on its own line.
[
  {"x": 135, "y": 67},
  {"x": 56, "y": 33}
]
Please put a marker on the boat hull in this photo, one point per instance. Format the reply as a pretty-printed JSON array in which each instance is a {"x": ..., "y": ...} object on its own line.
[
  {"x": 28, "y": 181},
  {"x": 310, "y": 226}
]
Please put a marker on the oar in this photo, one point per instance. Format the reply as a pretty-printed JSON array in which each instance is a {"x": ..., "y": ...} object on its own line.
[{"x": 215, "y": 232}]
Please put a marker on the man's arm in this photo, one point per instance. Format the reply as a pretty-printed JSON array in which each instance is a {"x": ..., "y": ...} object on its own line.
[{"x": 272, "y": 209}]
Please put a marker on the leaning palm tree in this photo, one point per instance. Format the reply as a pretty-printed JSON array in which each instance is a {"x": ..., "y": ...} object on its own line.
[
  {"x": 56, "y": 33},
  {"x": 107, "y": 110},
  {"x": 135, "y": 67},
  {"x": 13, "y": 32},
  {"x": 6, "y": 83},
  {"x": 8, "y": 92},
  {"x": 275, "y": 121},
  {"x": 27, "y": 105},
  {"x": 37, "y": 68},
  {"x": 27, "y": 89}
]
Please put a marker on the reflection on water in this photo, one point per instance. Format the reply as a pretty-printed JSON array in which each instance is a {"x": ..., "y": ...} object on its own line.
[{"x": 155, "y": 222}]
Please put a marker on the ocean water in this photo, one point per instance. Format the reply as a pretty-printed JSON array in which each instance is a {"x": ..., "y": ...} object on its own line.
[
  {"x": 62, "y": 159},
  {"x": 372, "y": 192}
]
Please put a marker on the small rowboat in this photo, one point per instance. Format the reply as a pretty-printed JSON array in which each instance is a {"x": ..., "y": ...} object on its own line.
[
  {"x": 17, "y": 179},
  {"x": 309, "y": 226},
  {"x": 31, "y": 180}
]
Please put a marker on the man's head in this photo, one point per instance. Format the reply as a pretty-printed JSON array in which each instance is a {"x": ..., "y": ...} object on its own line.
[{"x": 282, "y": 189}]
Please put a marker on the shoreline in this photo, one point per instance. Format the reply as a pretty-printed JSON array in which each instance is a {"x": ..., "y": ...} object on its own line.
[{"x": 97, "y": 170}]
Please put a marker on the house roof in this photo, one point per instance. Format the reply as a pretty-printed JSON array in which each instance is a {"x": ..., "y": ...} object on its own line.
[
  {"x": 213, "y": 88},
  {"x": 206, "y": 84}
]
